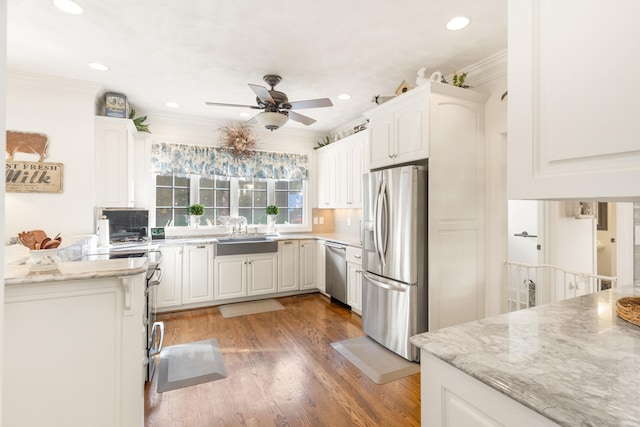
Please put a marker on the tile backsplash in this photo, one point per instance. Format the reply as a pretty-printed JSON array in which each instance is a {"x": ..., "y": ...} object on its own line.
[{"x": 345, "y": 222}]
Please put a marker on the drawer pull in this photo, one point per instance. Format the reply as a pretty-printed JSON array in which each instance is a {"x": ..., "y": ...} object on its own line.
[{"x": 200, "y": 246}]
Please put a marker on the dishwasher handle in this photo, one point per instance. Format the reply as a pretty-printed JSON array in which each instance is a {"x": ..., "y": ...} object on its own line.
[{"x": 339, "y": 247}]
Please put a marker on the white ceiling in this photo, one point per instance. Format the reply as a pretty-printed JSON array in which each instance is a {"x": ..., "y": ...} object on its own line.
[{"x": 193, "y": 51}]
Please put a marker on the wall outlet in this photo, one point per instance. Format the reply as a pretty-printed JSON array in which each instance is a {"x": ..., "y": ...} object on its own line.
[
  {"x": 315, "y": 220},
  {"x": 321, "y": 220}
]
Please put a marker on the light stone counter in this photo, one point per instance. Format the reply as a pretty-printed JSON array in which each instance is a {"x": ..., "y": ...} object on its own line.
[
  {"x": 574, "y": 362},
  {"x": 20, "y": 274}
]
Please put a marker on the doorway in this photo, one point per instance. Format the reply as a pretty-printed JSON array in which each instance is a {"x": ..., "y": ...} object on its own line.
[{"x": 606, "y": 251}]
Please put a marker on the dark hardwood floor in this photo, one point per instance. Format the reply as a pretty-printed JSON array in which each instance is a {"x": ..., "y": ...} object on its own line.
[{"x": 282, "y": 371}]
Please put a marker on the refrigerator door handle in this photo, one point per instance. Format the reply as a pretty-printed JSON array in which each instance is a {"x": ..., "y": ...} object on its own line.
[
  {"x": 378, "y": 236},
  {"x": 385, "y": 224},
  {"x": 383, "y": 285}
]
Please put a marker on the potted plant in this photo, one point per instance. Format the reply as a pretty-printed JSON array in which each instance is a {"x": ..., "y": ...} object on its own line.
[
  {"x": 195, "y": 212},
  {"x": 272, "y": 211}
]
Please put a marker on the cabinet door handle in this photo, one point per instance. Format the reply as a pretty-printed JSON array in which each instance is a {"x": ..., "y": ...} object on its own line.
[
  {"x": 357, "y": 256},
  {"x": 288, "y": 242},
  {"x": 200, "y": 246}
]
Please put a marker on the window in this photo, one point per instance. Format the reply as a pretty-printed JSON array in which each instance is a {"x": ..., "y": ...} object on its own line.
[
  {"x": 252, "y": 200},
  {"x": 215, "y": 194},
  {"x": 172, "y": 199},
  {"x": 288, "y": 197},
  {"x": 224, "y": 196}
]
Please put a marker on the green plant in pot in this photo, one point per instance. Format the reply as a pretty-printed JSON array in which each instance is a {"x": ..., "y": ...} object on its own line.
[
  {"x": 272, "y": 211},
  {"x": 195, "y": 212}
]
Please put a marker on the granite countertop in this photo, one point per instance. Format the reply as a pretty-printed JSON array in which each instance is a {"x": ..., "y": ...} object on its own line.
[
  {"x": 334, "y": 237},
  {"x": 574, "y": 362},
  {"x": 21, "y": 274},
  {"x": 85, "y": 248}
]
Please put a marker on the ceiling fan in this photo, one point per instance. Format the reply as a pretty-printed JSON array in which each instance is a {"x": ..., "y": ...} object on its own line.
[{"x": 276, "y": 105}]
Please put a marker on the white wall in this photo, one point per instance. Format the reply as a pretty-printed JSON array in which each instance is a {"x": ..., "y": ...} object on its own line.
[
  {"x": 3, "y": 66},
  {"x": 571, "y": 242},
  {"x": 64, "y": 111}
]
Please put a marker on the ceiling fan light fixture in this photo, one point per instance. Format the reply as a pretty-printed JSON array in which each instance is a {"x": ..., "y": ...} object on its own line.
[{"x": 271, "y": 120}]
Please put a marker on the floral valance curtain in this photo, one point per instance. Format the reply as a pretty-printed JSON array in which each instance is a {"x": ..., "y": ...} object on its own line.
[{"x": 204, "y": 160}]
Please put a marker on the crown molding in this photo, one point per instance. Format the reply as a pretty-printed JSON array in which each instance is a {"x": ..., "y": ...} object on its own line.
[
  {"x": 489, "y": 69},
  {"x": 42, "y": 80}
]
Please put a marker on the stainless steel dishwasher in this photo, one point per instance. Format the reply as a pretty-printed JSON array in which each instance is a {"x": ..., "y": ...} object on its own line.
[{"x": 336, "y": 271}]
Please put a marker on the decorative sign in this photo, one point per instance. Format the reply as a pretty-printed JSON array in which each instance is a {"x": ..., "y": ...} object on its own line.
[
  {"x": 31, "y": 177},
  {"x": 34, "y": 177}
]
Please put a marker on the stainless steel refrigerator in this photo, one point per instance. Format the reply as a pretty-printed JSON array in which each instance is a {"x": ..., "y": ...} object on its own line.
[{"x": 394, "y": 257}]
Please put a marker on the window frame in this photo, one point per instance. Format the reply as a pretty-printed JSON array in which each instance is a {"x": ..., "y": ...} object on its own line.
[{"x": 194, "y": 196}]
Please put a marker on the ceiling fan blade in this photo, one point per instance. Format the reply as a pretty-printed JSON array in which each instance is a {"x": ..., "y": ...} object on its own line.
[
  {"x": 222, "y": 104},
  {"x": 300, "y": 118},
  {"x": 311, "y": 103},
  {"x": 262, "y": 93}
]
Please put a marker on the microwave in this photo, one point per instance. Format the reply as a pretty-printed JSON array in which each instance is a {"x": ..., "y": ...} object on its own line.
[{"x": 126, "y": 224}]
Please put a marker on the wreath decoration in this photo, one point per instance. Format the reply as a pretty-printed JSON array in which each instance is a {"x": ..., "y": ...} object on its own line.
[{"x": 239, "y": 138}]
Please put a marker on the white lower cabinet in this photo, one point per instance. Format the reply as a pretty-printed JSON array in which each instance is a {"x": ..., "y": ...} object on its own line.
[
  {"x": 240, "y": 276},
  {"x": 354, "y": 278},
  {"x": 170, "y": 288},
  {"x": 197, "y": 281},
  {"x": 307, "y": 264},
  {"x": 262, "y": 274},
  {"x": 288, "y": 251},
  {"x": 73, "y": 353},
  {"x": 230, "y": 277},
  {"x": 453, "y": 398},
  {"x": 320, "y": 266}
]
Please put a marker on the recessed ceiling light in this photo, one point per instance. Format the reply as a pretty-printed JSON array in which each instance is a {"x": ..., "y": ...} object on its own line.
[
  {"x": 244, "y": 114},
  {"x": 458, "y": 23},
  {"x": 68, "y": 6},
  {"x": 344, "y": 96},
  {"x": 98, "y": 66},
  {"x": 172, "y": 104}
]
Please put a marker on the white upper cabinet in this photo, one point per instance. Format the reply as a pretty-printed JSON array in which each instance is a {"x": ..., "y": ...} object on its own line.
[
  {"x": 400, "y": 128},
  {"x": 399, "y": 131},
  {"x": 340, "y": 169},
  {"x": 114, "y": 145},
  {"x": 573, "y": 104}
]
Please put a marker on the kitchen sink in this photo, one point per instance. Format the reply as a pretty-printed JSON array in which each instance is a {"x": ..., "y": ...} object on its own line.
[{"x": 245, "y": 245}]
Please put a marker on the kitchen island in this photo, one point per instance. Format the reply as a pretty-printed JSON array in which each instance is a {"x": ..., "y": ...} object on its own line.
[
  {"x": 571, "y": 363},
  {"x": 74, "y": 343}
]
